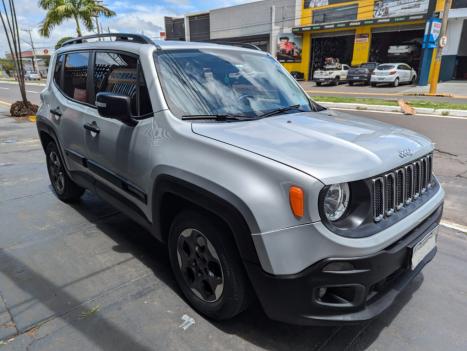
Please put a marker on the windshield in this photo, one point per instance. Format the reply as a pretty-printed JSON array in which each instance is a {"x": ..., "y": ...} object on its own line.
[
  {"x": 368, "y": 65},
  {"x": 226, "y": 82}
]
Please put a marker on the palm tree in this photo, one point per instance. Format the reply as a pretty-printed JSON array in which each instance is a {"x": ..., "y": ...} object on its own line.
[{"x": 79, "y": 10}]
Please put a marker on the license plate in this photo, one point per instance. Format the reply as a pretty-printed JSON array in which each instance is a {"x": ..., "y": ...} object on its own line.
[
  {"x": 356, "y": 78},
  {"x": 424, "y": 247}
]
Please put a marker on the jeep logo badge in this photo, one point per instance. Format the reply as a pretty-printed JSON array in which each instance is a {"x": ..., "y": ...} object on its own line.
[{"x": 405, "y": 153}]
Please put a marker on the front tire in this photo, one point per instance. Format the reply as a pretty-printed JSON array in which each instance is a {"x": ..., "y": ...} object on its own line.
[
  {"x": 65, "y": 189},
  {"x": 396, "y": 82},
  {"x": 318, "y": 84},
  {"x": 206, "y": 265}
]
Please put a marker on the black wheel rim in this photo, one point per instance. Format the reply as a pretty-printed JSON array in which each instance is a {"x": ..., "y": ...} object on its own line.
[
  {"x": 200, "y": 265},
  {"x": 56, "y": 172}
]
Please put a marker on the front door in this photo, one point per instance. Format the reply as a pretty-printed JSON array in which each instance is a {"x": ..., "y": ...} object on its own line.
[{"x": 120, "y": 155}]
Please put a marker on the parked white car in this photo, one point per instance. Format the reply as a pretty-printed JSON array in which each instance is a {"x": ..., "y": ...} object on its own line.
[
  {"x": 333, "y": 74},
  {"x": 30, "y": 75},
  {"x": 393, "y": 73}
]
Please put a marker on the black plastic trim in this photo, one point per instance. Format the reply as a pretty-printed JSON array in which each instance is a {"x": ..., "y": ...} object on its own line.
[{"x": 234, "y": 212}]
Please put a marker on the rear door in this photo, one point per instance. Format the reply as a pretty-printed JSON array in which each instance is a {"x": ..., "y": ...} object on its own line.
[
  {"x": 69, "y": 106},
  {"x": 119, "y": 155}
]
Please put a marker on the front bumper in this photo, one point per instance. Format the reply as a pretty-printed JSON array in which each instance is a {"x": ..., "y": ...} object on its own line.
[
  {"x": 371, "y": 285},
  {"x": 324, "y": 79}
]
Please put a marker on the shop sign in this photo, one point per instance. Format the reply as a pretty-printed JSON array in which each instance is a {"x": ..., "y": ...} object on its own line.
[
  {"x": 289, "y": 48},
  {"x": 432, "y": 31},
  {"x": 350, "y": 24},
  {"x": 391, "y": 8}
]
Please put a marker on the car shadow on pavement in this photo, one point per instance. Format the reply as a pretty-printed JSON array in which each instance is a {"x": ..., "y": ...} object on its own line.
[{"x": 252, "y": 325}]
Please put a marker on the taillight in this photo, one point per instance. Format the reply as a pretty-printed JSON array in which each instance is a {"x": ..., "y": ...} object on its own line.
[{"x": 392, "y": 72}]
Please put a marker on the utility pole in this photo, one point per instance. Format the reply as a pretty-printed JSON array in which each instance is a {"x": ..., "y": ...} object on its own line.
[
  {"x": 439, "y": 51},
  {"x": 32, "y": 48}
]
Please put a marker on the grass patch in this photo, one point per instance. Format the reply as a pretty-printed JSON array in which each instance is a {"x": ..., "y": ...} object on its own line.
[{"x": 414, "y": 103}]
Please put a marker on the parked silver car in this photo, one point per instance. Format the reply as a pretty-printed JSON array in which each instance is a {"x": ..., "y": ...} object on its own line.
[{"x": 255, "y": 189}]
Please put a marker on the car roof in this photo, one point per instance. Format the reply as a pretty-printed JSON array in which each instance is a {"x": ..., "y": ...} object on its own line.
[{"x": 159, "y": 44}]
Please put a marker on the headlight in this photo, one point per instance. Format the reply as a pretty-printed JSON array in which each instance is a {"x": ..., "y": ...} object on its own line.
[{"x": 336, "y": 201}]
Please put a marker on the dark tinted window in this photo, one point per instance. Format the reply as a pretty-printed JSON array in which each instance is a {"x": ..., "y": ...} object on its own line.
[
  {"x": 335, "y": 14},
  {"x": 75, "y": 75},
  {"x": 58, "y": 70},
  {"x": 368, "y": 65},
  {"x": 385, "y": 67},
  {"x": 457, "y": 4},
  {"x": 121, "y": 74}
]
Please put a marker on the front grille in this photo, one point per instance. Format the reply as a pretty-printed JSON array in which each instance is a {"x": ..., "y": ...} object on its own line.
[{"x": 396, "y": 189}]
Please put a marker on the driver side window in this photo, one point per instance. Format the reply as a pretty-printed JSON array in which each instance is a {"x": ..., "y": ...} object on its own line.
[{"x": 122, "y": 74}]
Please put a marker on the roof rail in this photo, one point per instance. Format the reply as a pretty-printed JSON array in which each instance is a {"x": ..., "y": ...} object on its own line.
[
  {"x": 233, "y": 43},
  {"x": 134, "y": 38}
]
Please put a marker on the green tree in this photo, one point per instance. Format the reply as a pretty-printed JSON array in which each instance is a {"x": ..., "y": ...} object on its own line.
[
  {"x": 61, "y": 41},
  {"x": 83, "y": 11}
]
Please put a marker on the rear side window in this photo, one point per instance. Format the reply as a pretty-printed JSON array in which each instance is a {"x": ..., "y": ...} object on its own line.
[
  {"x": 58, "y": 71},
  {"x": 75, "y": 75},
  {"x": 122, "y": 74}
]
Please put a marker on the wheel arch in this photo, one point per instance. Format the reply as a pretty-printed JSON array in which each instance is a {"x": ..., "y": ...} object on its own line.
[{"x": 172, "y": 194}]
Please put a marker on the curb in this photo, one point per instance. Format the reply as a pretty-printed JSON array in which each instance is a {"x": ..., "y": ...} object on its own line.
[{"x": 384, "y": 108}]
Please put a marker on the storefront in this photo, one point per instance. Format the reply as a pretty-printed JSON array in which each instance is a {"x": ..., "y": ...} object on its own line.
[{"x": 358, "y": 32}]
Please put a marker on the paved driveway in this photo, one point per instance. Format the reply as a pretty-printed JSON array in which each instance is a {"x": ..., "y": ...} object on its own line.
[{"x": 85, "y": 277}]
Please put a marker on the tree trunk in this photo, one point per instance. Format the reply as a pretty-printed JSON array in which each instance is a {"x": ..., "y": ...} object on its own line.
[{"x": 78, "y": 28}]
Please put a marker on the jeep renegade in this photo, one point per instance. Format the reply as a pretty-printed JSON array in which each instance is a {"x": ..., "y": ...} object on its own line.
[{"x": 257, "y": 191}]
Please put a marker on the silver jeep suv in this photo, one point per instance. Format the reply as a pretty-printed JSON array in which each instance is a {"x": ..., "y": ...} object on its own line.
[{"x": 259, "y": 193}]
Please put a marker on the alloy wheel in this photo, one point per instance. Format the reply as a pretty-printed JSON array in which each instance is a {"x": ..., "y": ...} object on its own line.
[{"x": 200, "y": 265}]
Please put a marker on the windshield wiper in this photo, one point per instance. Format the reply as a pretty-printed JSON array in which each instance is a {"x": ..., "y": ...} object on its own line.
[
  {"x": 281, "y": 110},
  {"x": 218, "y": 117}
]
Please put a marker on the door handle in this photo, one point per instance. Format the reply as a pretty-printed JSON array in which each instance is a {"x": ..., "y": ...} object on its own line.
[
  {"x": 56, "y": 112},
  {"x": 92, "y": 127}
]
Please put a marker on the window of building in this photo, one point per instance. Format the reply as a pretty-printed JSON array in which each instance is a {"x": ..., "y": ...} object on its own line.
[
  {"x": 459, "y": 4},
  {"x": 121, "y": 74},
  {"x": 75, "y": 75},
  {"x": 335, "y": 14}
]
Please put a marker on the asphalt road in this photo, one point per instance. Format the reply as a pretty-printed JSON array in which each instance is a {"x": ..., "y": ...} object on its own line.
[
  {"x": 458, "y": 90},
  {"x": 9, "y": 92},
  {"x": 84, "y": 277}
]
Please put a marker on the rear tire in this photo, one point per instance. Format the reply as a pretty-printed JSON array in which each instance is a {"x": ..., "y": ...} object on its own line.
[
  {"x": 373, "y": 84},
  {"x": 350, "y": 83},
  {"x": 207, "y": 266},
  {"x": 65, "y": 189},
  {"x": 336, "y": 81},
  {"x": 318, "y": 84}
]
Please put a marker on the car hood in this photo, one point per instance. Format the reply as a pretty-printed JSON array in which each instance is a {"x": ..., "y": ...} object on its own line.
[{"x": 332, "y": 147}]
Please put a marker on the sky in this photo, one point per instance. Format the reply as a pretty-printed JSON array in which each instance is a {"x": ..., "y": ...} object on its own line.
[{"x": 134, "y": 16}]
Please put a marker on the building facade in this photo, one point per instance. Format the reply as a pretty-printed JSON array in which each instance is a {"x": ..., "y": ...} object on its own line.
[{"x": 302, "y": 34}]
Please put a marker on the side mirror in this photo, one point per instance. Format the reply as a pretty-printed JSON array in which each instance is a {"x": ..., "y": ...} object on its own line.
[{"x": 115, "y": 106}]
